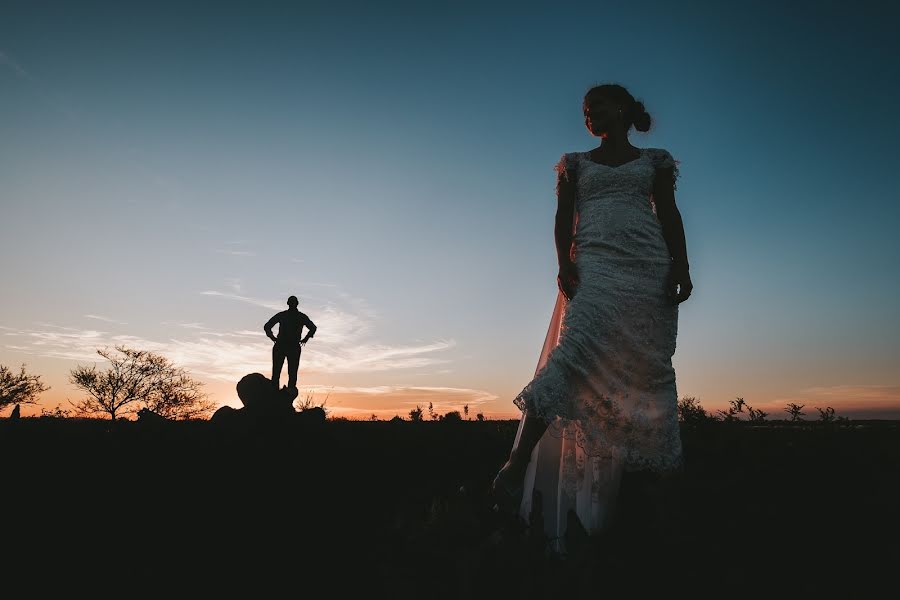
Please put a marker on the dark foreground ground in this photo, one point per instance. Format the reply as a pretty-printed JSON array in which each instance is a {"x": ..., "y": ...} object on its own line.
[{"x": 375, "y": 508}]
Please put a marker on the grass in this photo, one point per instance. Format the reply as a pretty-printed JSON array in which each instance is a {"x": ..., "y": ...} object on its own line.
[{"x": 375, "y": 508}]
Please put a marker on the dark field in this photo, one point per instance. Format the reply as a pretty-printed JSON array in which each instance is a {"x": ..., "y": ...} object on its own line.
[{"x": 375, "y": 508}]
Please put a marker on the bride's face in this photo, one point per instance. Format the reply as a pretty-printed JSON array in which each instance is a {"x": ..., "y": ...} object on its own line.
[{"x": 600, "y": 115}]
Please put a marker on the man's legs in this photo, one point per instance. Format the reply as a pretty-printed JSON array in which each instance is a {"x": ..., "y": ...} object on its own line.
[
  {"x": 293, "y": 361},
  {"x": 277, "y": 362}
]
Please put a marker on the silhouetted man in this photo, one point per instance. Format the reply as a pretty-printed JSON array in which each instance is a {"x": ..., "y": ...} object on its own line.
[{"x": 288, "y": 343}]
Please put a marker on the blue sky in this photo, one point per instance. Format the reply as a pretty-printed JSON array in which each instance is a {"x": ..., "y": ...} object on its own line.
[{"x": 169, "y": 175}]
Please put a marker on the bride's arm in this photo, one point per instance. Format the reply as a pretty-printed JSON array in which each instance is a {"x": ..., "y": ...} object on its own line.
[
  {"x": 679, "y": 285},
  {"x": 669, "y": 215},
  {"x": 565, "y": 213}
]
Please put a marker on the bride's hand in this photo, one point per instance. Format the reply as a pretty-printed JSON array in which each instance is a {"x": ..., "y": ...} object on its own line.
[
  {"x": 567, "y": 280},
  {"x": 679, "y": 286}
]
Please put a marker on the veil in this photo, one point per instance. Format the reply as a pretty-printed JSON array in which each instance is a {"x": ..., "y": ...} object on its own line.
[{"x": 569, "y": 483}]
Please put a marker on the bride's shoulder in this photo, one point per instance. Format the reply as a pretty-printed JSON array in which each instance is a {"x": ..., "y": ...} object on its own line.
[
  {"x": 660, "y": 157},
  {"x": 663, "y": 159},
  {"x": 568, "y": 163}
]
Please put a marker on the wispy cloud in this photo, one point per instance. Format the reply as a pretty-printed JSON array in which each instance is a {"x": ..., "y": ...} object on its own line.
[
  {"x": 106, "y": 319},
  {"x": 192, "y": 325},
  {"x": 53, "y": 326},
  {"x": 417, "y": 393},
  {"x": 7, "y": 61},
  {"x": 56, "y": 341},
  {"x": 254, "y": 301},
  {"x": 236, "y": 248},
  {"x": 223, "y": 358},
  {"x": 875, "y": 401},
  {"x": 856, "y": 393},
  {"x": 226, "y": 356},
  {"x": 343, "y": 343},
  {"x": 342, "y": 330},
  {"x": 234, "y": 283},
  {"x": 47, "y": 96}
]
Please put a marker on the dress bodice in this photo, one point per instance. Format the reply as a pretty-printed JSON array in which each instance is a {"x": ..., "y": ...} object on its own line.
[{"x": 615, "y": 213}]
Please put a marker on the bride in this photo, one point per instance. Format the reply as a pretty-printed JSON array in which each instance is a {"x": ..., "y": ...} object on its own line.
[{"x": 601, "y": 410}]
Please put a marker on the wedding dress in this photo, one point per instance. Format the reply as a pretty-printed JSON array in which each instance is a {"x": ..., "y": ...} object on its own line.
[{"x": 604, "y": 380}]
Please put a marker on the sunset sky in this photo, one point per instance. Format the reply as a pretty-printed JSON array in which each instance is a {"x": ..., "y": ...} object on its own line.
[{"x": 171, "y": 172}]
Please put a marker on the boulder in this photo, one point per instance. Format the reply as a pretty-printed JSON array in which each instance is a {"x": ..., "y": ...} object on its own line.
[
  {"x": 312, "y": 416},
  {"x": 261, "y": 399},
  {"x": 225, "y": 414},
  {"x": 145, "y": 416}
]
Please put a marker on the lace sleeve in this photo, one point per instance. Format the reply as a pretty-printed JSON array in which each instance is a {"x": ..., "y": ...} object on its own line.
[
  {"x": 665, "y": 160},
  {"x": 565, "y": 171}
]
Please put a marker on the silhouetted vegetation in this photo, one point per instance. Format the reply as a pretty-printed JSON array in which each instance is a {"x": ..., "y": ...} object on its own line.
[
  {"x": 826, "y": 415},
  {"x": 397, "y": 509},
  {"x": 292, "y": 497},
  {"x": 795, "y": 410},
  {"x": 19, "y": 388},
  {"x": 691, "y": 412},
  {"x": 452, "y": 416},
  {"x": 309, "y": 401},
  {"x": 58, "y": 412},
  {"x": 139, "y": 379},
  {"x": 755, "y": 415}
]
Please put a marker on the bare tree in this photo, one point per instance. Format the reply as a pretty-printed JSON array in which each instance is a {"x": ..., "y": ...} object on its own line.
[
  {"x": 466, "y": 411},
  {"x": 180, "y": 397},
  {"x": 20, "y": 388},
  {"x": 135, "y": 379}
]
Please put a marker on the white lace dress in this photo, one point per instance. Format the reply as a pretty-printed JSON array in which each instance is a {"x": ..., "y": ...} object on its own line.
[{"x": 604, "y": 380}]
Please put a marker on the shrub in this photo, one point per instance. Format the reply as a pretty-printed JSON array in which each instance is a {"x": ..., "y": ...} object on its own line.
[{"x": 691, "y": 413}]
